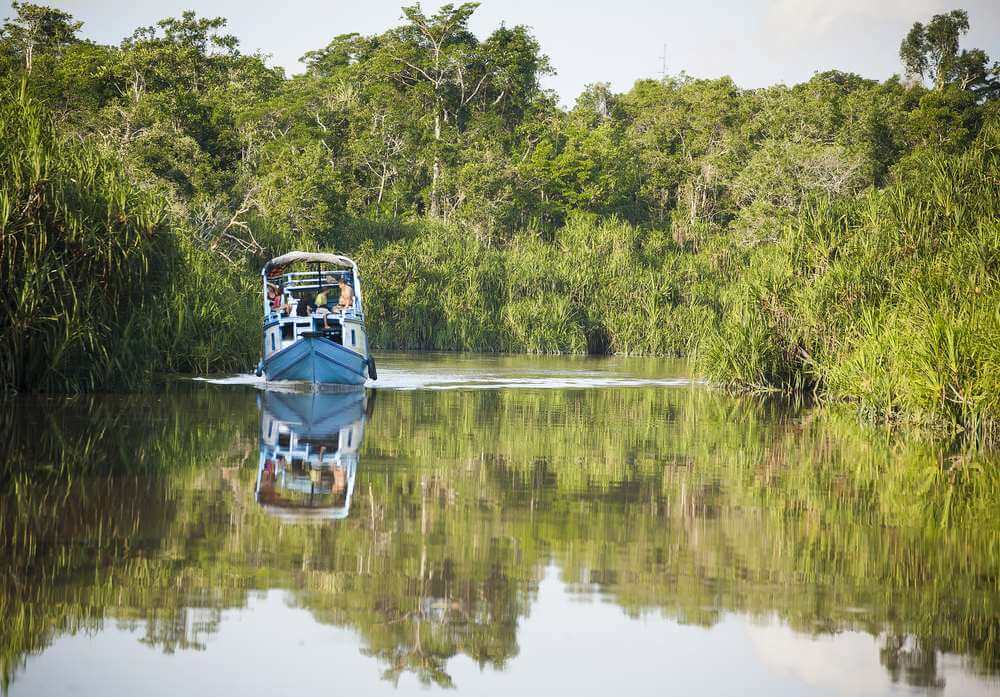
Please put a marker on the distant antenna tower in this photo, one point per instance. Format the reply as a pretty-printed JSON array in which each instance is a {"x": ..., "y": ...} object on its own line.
[{"x": 663, "y": 63}]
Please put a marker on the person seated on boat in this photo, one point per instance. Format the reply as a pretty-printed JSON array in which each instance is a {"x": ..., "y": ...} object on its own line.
[
  {"x": 318, "y": 458},
  {"x": 320, "y": 303},
  {"x": 303, "y": 305},
  {"x": 274, "y": 300},
  {"x": 346, "y": 301},
  {"x": 339, "y": 479},
  {"x": 268, "y": 475}
]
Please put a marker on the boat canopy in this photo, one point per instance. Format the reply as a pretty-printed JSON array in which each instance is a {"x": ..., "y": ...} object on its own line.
[{"x": 319, "y": 257}]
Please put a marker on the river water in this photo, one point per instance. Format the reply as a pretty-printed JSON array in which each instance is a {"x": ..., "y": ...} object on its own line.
[{"x": 499, "y": 525}]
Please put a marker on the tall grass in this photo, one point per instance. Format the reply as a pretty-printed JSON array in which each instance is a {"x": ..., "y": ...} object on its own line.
[
  {"x": 594, "y": 286},
  {"x": 888, "y": 301},
  {"x": 98, "y": 290},
  {"x": 80, "y": 248}
]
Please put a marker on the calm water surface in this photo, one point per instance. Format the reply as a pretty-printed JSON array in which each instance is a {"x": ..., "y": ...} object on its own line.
[{"x": 498, "y": 525}]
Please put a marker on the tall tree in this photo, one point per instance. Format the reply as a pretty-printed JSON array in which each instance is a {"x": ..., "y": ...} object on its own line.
[
  {"x": 931, "y": 51},
  {"x": 439, "y": 51},
  {"x": 37, "y": 29}
]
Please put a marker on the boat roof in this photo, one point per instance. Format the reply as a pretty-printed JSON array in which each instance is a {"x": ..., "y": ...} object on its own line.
[
  {"x": 292, "y": 514},
  {"x": 320, "y": 257}
]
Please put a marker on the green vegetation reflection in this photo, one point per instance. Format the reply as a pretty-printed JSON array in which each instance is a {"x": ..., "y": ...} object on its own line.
[{"x": 685, "y": 503}]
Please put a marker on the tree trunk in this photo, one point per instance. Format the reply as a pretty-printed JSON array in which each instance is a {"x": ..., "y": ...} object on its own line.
[{"x": 436, "y": 167}]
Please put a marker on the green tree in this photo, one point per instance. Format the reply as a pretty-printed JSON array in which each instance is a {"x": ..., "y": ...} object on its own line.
[
  {"x": 932, "y": 51},
  {"x": 37, "y": 30},
  {"x": 438, "y": 56}
]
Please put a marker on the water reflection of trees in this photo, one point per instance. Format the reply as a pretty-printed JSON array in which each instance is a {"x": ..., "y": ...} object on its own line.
[
  {"x": 465, "y": 497},
  {"x": 909, "y": 660}
]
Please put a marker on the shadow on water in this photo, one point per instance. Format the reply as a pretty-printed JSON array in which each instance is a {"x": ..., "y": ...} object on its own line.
[{"x": 427, "y": 525}]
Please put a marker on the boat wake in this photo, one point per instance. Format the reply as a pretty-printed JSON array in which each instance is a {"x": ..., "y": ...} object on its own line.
[
  {"x": 432, "y": 376},
  {"x": 410, "y": 380},
  {"x": 242, "y": 379}
]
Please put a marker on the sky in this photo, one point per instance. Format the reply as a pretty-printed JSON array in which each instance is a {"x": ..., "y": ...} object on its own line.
[{"x": 756, "y": 42}]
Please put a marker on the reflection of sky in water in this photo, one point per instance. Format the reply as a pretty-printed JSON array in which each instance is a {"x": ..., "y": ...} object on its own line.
[
  {"x": 846, "y": 663},
  {"x": 566, "y": 643}
]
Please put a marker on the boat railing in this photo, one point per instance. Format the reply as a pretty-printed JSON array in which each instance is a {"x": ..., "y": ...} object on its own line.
[
  {"x": 298, "y": 281},
  {"x": 349, "y": 313},
  {"x": 309, "y": 280}
]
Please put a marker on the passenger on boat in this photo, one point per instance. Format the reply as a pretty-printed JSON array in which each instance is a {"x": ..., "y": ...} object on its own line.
[
  {"x": 346, "y": 301},
  {"x": 303, "y": 306},
  {"x": 274, "y": 299},
  {"x": 268, "y": 475},
  {"x": 339, "y": 479},
  {"x": 320, "y": 302}
]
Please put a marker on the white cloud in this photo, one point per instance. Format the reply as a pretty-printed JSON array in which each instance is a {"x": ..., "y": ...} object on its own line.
[{"x": 801, "y": 21}]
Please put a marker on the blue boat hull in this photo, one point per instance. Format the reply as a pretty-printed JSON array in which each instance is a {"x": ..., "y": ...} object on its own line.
[
  {"x": 317, "y": 360},
  {"x": 318, "y": 414}
]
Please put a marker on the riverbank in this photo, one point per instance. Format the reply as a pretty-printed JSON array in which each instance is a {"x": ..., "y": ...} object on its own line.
[{"x": 885, "y": 301}]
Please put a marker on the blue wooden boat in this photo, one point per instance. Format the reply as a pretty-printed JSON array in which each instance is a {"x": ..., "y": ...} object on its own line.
[{"x": 311, "y": 334}]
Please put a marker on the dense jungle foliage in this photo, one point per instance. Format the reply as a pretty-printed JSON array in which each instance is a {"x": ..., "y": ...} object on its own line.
[{"x": 839, "y": 236}]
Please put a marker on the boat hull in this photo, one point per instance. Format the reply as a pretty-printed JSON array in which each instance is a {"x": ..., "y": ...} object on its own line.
[
  {"x": 316, "y": 360},
  {"x": 315, "y": 415}
]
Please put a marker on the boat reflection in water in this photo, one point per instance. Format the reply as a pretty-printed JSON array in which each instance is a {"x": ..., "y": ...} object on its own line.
[{"x": 309, "y": 453}]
